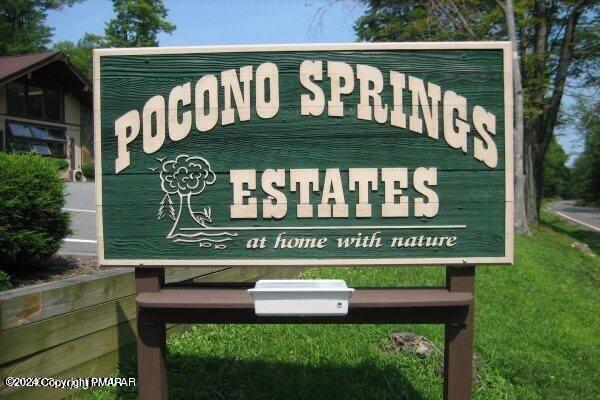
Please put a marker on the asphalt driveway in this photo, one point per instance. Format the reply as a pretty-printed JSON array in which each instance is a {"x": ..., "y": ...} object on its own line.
[
  {"x": 587, "y": 217},
  {"x": 80, "y": 203}
]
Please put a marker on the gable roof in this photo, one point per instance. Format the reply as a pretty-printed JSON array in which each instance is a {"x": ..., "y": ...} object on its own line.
[{"x": 14, "y": 67}]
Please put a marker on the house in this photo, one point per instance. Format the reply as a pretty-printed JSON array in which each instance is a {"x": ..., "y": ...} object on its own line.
[{"x": 46, "y": 108}]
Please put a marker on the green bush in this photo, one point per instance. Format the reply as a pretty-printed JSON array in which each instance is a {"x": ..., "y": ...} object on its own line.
[
  {"x": 4, "y": 281},
  {"x": 88, "y": 170},
  {"x": 61, "y": 164},
  {"x": 32, "y": 223}
]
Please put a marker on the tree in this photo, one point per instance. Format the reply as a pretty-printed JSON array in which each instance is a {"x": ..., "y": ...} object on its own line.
[
  {"x": 519, "y": 189},
  {"x": 586, "y": 171},
  {"x": 184, "y": 176},
  {"x": 137, "y": 23},
  {"x": 80, "y": 53},
  {"x": 556, "y": 173},
  {"x": 556, "y": 40},
  {"x": 23, "y": 26}
]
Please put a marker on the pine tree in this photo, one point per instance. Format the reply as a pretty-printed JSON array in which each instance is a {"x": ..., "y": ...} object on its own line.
[
  {"x": 137, "y": 23},
  {"x": 23, "y": 26},
  {"x": 168, "y": 203}
]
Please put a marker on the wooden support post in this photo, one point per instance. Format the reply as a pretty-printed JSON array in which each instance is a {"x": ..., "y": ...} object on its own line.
[
  {"x": 152, "y": 371},
  {"x": 458, "y": 340}
]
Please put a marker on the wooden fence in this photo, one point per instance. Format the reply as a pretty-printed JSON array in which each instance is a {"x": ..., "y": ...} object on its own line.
[{"x": 84, "y": 326}]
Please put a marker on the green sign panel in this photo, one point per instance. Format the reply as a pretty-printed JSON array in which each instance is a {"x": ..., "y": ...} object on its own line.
[{"x": 357, "y": 154}]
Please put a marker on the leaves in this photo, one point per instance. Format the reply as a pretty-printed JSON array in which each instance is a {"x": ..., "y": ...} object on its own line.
[
  {"x": 137, "y": 23},
  {"x": 80, "y": 53},
  {"x": 557, "y": 44},
  {"x": 23, "y": 26}
]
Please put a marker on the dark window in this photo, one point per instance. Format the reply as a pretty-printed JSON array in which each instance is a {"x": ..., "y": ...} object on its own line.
[
  {"x": 35, "y": 101},
  {"x": 57, "y": 134},
  {"x": 20, "y": 146},
  {"x": 57, "y": 149},
  {"x": 40, "y": 148},
  {"x": 53, "y": 105},
  {"x": 28, "y": 100},
  {"x": 15, "y": 94},
  {"x": 43, "y": 140}
]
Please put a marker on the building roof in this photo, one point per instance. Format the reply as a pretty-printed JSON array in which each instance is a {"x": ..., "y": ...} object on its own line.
[{"x": 14, "y": 67}]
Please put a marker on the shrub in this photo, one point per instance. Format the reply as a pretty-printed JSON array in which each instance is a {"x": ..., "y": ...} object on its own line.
[
  {"x": 61, "y": 164},
  {"x": 4, "y": 281},
  {"x": 88, "y": 170},
  {"x": 32, "y": 223}
]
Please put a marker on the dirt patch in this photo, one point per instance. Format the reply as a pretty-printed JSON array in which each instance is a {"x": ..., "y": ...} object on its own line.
[
  {"x": 419, "y": 345},
  {"x": 422, "y": 347}
]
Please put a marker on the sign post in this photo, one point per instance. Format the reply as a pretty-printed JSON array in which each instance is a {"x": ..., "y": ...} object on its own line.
[{"x": 305, "y": 155}]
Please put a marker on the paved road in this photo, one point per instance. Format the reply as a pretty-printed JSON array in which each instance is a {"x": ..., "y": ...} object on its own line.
[
  {"x": 80, "y": 203},
  {"x": 587, "y": 217}
]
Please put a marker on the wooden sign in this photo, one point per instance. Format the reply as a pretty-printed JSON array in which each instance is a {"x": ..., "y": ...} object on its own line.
[{"x": 353, "y": 154}]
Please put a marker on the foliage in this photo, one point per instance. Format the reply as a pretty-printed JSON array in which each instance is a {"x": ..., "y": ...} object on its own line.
[
  {"x": 400, "y": 21},
  {"x": 536, "y": 330},
  {"x": 137, "y": 23},
  {"x": 556, "y": 174},
  {"x": 555, "y": 39},
  {"x": 88, "y": 170},
  {"x": 23, "y": 26},
  {"x": 4, "y": 281},
  {"x": 61, "y": 164},
  {"x": 586, "y": 171},
  {"x": 80, "y": 53},
  {"x": 32, "y": 223}
]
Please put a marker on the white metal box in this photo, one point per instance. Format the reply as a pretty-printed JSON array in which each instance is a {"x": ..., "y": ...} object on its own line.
[{"x": 324, "y": 297}]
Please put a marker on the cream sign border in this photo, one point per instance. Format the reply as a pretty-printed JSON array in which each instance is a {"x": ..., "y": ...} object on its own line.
[{"x": 508, "y": 151}]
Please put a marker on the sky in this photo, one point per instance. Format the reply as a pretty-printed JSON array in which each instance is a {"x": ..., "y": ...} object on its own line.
[
  {"x": 225, "y": 22},
  {"x": 211, "y": 22}
]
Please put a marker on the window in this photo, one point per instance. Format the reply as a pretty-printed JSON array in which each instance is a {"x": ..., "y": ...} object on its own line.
[
  {"x": 50, "y": 141},
  {"x": 53, "y": 105},
  {"x": 40, "y": 148},
  {"x": 15, "y": 92},
  {"x": 28, "y": 100},
  {"x": 58, "y": 149},
  {"x": 19, "y": 130},
  {"x": 39, "y": 133},
  {"x": 20, "y": 146},
  {"x": 35, "y": 102},
  {"x": 57, "y": 134}
]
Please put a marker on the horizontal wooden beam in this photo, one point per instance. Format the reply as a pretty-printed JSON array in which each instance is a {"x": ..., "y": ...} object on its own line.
[{"x": 367, "y": 305}]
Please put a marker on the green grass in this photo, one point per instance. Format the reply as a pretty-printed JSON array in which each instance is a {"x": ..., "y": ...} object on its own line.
[{"x": 537, "y": 336}]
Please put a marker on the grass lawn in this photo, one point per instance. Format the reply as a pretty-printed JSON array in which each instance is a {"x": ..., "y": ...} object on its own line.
[{"x": 537, "y": 337}]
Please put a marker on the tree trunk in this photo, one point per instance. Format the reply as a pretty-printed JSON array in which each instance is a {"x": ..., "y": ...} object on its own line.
[
  {"x": 530, "y": 186},
  {"x": 521, "y": 225},
  {"x": 185, "y": 216},
  {"x": 540, "y": 129}
]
